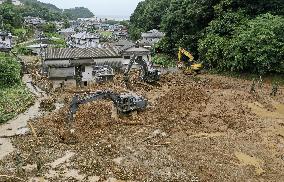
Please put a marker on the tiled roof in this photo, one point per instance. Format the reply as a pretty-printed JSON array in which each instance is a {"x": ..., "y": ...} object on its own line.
[
  {"x": 124, "y": 44},
  {"x": 77, "y": 53}
]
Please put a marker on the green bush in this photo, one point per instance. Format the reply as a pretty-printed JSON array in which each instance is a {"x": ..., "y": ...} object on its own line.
[
  {"x": 23, "y": 50},
  {"x": 164, "y": 60},
  {"x": 10, "y": 71}
]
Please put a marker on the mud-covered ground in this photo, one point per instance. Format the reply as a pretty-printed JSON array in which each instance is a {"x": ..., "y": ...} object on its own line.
[{"x": 204, "y": 128}]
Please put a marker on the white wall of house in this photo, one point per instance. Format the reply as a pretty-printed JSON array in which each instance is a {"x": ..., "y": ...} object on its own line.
[
  {"x": 56, "y": 62},
  {"x": 88, "y": 74},
  {"x": 7, "y": 40}
]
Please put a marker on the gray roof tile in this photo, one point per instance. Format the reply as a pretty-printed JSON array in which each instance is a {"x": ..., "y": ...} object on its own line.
[{"x": 77, "y": 53}]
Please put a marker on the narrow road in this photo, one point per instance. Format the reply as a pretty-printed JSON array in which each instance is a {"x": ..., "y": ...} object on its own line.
[{"x": 18, "y": 125}]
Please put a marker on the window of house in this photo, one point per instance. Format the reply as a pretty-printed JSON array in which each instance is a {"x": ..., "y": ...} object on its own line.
[
  {"x": 3, "y": 38},
  {"x": 126, "y": 57},
  {"x": 85, "y": 84}
]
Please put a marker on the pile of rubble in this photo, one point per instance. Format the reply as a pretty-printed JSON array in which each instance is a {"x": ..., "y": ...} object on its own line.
[{"x": 191, "y": 130}]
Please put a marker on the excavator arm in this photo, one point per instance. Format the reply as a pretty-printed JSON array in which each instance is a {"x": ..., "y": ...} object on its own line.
[
  {"x": 186, "y": 53},
  {"x": 189, "y": 65},
  {"x": 124, "y": 103},
  {"x": 77, "y": 101},
  {"x": 148, "y": 74}
]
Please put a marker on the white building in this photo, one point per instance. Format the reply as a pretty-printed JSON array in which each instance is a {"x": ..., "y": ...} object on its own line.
[
  {"x": 85, "y": 40},
  {"x": 6, "y": 41}
]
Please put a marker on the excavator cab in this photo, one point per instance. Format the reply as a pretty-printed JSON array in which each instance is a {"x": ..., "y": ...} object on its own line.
[
  {"x": 127, "y": 103},
  {"x": 148, "y": 73}
]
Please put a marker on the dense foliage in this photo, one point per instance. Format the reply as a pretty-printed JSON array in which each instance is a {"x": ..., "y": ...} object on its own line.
[
  {"x": 10, "y": 71},
  {"x": 148, "y": 15},
  {"x": 163, "y": 60},
  {"x": 233, "y": 35},
  {"x": 78, "y": 12},
  {"x": 10, "y": 17},
  {"x": 256, "y": 46}
]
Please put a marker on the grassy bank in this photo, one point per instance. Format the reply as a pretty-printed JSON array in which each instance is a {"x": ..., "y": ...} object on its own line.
[{"x": 13, "y": 101}]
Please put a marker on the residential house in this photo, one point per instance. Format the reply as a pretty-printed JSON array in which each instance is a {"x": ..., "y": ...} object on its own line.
[
  {"x": 127, "y": 49},
  {"x": 35, "y": 21},
  {"x": 151, "y": 37},
  {"x": 66, "y": 33},
  {"x": 6, "y": 42},
  {"x": 104, "y": 27},
  {"x": 85, "y": 40},
  {"x": 14, "y": 2},
  {"x": 119, "y": 35},
  {"x": 71, "y": 66}
]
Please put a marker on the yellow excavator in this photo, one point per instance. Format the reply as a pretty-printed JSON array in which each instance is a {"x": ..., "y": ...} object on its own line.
[{"x": 186, "y": 62}]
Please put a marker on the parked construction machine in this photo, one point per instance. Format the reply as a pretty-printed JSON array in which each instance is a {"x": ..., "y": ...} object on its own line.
[
  {"x": 186, "y": 62},
  {"x": 125, "y": 103},
  {"x": 148, "y": 74}
]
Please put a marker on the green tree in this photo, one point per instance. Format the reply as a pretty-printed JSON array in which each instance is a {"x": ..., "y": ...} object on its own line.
[
  {"x": 148, "y": 15},
  {"x": 48, "y": 28},
  {"x": 256, "y": 46},
  {"x": 10, "y": 16},
  {"x": 78, "y": 12}
]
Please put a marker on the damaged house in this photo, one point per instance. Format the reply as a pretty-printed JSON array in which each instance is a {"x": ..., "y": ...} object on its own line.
[{"x": 77, "y": 66}]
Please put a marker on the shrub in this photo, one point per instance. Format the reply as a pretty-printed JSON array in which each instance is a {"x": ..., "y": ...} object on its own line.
[
  {"x": 10, "y": 71},
  {"x": 164, "y": 60}
]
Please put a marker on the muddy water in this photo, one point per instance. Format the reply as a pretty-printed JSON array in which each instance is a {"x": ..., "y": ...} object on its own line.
[
  {"x": 249, "y": 160},
  {"x": 261, "y": 111},
  {"x": 280, "y": 108}
]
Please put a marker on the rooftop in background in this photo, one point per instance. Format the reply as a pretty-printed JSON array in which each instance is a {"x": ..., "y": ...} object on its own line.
[
  {"x": 80, "y": 53},
  {"x": 85, "y": 35},
  {"x": 67, "y": 30},
  {"x": 153, "y": 34},
  {"x": 124, "y": 44}
]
